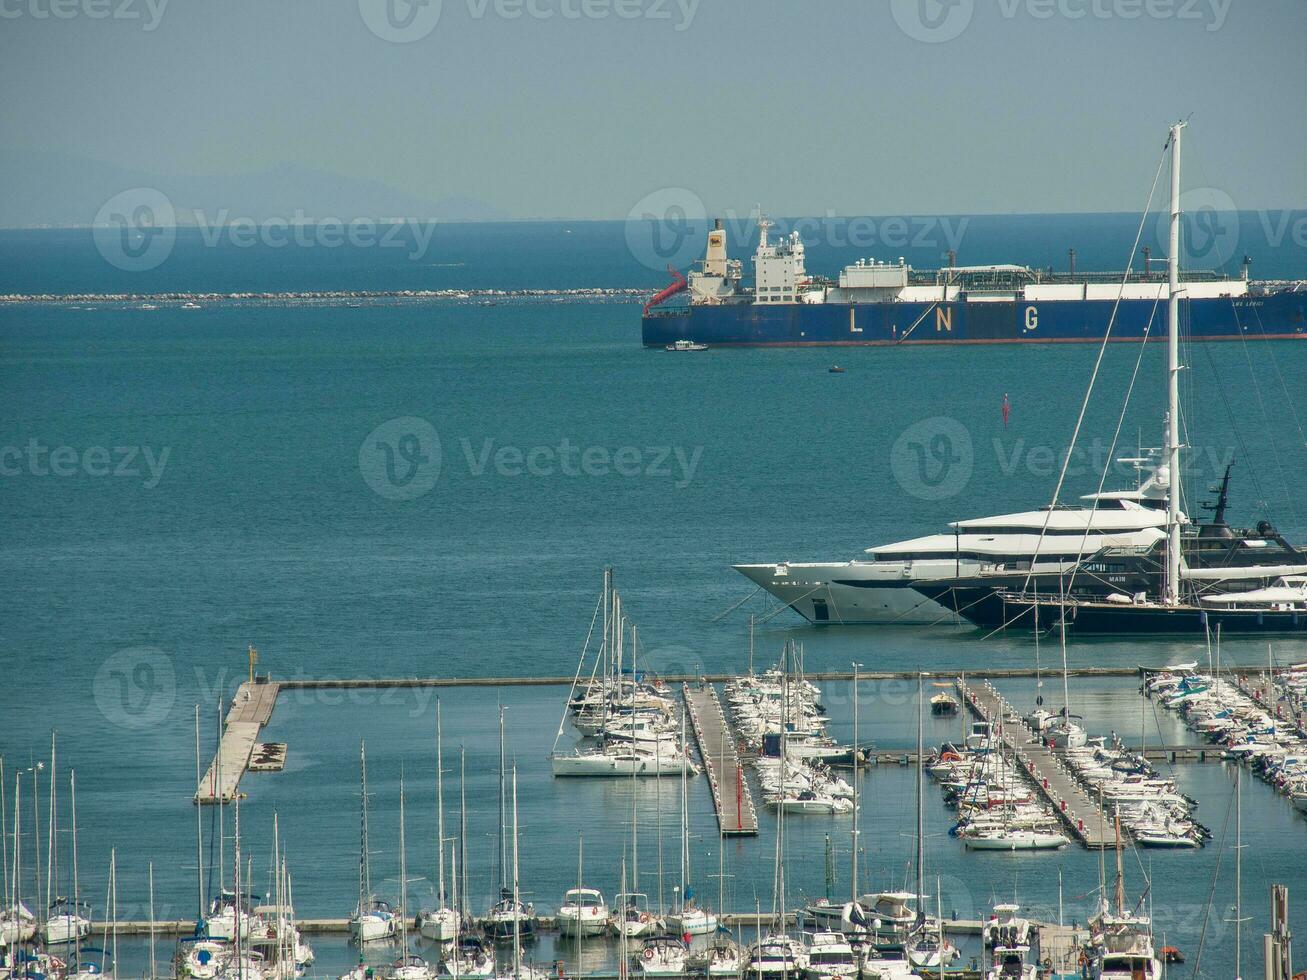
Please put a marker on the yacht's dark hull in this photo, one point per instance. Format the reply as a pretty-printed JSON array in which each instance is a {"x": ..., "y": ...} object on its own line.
[
  {"x": 1111, "y": 618},
  {"x": 988, "y": 601}
]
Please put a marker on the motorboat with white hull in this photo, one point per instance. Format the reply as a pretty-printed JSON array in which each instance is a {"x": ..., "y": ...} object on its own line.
[
  {"x": 583, "y": 913},
  {"x": 830, "y": 957},
  {"x": 776, "y": 957}
]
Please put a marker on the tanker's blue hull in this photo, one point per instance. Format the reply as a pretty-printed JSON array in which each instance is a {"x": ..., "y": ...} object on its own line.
[{"x": 1278, "y": 315}]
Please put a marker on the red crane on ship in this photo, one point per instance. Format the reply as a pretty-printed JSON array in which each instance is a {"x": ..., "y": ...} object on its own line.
[{"x": 677, "y": 284}]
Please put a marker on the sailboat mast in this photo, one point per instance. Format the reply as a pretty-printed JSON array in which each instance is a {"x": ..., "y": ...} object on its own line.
[
  {"x": 36, "y": 835},
  {"x": 461, "y": 885},
  {"x": 778, "y": 900},
  {"x": 1173, "y": 380},
  {"x": 365, "y": 877},
  {"x": 72, "y": 802},
  {"x": 517, "y": 900},
  {"x": 113, "y": 901},
  {"x": 222, "y": 812},
  {"x": 685, "y": 819},
  {"x": 503, "y": 808},
  {"x": 52, "y": 845},
  {"x": 236, "y": 900},
  {"x": 4, "y": 831},
  {"x": 458, "y": 896},
  {"x": 1238, "y": 872},
  {"x": 440, "y": 810},
  {"x": 199, "y": 829},
  {"x": 154, "y": 969},
  {"x": 403, "y": 874},
  {"x": 606, "y": 648},
  {"x": 635, "y": 823},
  {"x": 277, "y": 898},
  {"x": 18, "y": 841},
  {"x": 921, "y": 831},
  {"x": 721, "y": 851},
  {"x": 853, "y": 859}
]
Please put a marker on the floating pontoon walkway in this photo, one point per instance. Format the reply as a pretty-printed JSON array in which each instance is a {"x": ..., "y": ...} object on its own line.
[
  {"x": 1041, "y": 764},
  {"x": 250, "y": 711},
  {"x": 730, "y": 791},
  {"x": 998, "y": 673}
]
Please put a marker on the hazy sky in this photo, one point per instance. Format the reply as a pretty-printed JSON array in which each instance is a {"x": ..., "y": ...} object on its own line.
[{"x": 579, "y": 108}]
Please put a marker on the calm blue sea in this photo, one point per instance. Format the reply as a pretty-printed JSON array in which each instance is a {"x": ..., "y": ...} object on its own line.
[{"x": 416, "y": 488}]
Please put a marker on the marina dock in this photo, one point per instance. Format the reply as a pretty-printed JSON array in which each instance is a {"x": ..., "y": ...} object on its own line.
[
  {"x": 995, "y": 673},
  {"x": 250, "y": 710},
  {"x": 545, "y": 923},
  {"x": 732, "y": 800},
  {"x": 1041, "y": 764}
]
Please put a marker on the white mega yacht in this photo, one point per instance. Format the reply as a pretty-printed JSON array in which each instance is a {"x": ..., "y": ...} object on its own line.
[{"x": 879, "y": 588}]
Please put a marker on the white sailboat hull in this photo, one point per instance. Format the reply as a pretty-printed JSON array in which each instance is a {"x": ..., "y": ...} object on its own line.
[
  {"x": 693, "y": 922},
  {"x": 1016, "y": 842},
  {"x": 599, "y": 764},
  {"x": 371, "y": 928},
  {"x": 66, "y": 929},
  {"x": 439, "y": 926}
]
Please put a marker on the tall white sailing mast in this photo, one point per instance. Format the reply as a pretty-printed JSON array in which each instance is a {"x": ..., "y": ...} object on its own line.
[{"x": 1173, "y": 518}]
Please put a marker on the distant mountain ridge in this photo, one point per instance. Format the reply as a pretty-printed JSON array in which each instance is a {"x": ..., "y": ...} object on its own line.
[{"x": 49, "y": 189}]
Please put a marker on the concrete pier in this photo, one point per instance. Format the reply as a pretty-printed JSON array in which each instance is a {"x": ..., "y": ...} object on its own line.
[
  {"x": 250, "y": 710},
  {"x": 730, "y": 790},
  {"x": 1041, "y": 765}
]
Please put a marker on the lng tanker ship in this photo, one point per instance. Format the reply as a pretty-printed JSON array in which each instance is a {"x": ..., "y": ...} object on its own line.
[{"x": 887, "y": 303}]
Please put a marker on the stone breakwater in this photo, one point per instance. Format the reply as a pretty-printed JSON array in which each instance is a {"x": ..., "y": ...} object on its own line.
[{"x": 336, "y": 297}]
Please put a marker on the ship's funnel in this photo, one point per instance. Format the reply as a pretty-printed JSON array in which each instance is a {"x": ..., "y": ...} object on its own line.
[{"x": 714, "y": 260}]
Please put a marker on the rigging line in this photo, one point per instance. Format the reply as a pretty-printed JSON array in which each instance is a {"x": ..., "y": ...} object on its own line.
[
  {"x": 1266, "y": 419},
  {"x": 1161, "y": 738},
  {"x": 1120, "y": 422},
  {"x": 1216, "y": 875},
  {"x": 1275, "y": 363},
  {"x": 562, "y": 723},
  {"x": 723, "y": 615},
  {"x": 1032, "y": 611},
  {"x": 949, "y": 613},
  {"x": 787, "y": 605},
  {"x": 1098, "y": 361},
  {"x": 1234, "y": 427}
]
